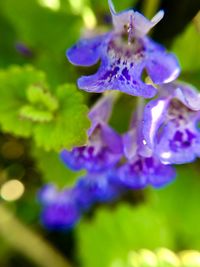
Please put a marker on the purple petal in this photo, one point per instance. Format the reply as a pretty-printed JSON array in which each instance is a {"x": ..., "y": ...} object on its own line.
[
  {"x": 117, "y": 73},
  {"x": 90, "y": 158},
  {"x": 178, "y": 145},
  {"x": 102, "y": 110},
  {"x": 47, "y": 194},
  {"x": 60, "y": 216},
  {"x": 154, "y": 116},
  {"x": 111, "y": 139},
  {"x": 122, "y": 68},
  {"x": 142, "y": 25},
  {"x": 61, "y": 212},
  {"x": 96, "y": 187},
  {"x": 161, "y": 174},
  {"x": 86, "y": 52},
  {"x": 104, "y": 149},
  {"x": 188, "y": 95},
  {"x": 141, "y": 172},
  {"x": 131, "y": 174},
  {"x": 130, "y": 144},
  {"x": 162, "y": 67}
]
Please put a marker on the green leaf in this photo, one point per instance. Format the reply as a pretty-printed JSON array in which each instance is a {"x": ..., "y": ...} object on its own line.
[
  {"x": 40, "y": 27},
  {"x": 13, "y": 85},
  {"x": 68, "y": 128},
  {"x": 124, "y": 229},
  {"x": 55, "y": 122},
  {"x": 187, "y": 46},
  {"x": 39, "y": 96},
  {"x": 53, "y": 170},
  {"x": 179, "y": 203},
  {"x": 33, "y": 114},
  {"x": 43, "y": 105}
]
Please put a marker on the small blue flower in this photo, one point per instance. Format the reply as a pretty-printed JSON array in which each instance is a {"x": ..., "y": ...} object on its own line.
[
  {"x": 125, "y": 53},
  {"x": 104, "y": 146},
  {"x": 171, "y": 123},
  {"x": 60, "y": 210}
]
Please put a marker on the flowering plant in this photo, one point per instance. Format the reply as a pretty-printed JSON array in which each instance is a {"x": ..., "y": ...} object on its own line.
[
  {"x": 99, "y": 133},
  {"x": 162, "y": 132}
]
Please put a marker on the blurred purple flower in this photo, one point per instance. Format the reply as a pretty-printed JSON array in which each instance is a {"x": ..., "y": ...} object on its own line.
[
  {"x": 171, "y": 123},
  {"x": 125, "y": 53},
  {"x": 60, "y": 210},
  {"x": 23, "y": 49},
  {"x": 97, "y": 187}
]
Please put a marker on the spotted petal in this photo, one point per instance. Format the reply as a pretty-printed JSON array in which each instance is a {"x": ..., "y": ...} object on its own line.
[
  {"x": 103, "y": 151},
  {"x": 116, "y": 73},
  {"x": 179, "y": 145},
  {"x": 141, "y": 172}
]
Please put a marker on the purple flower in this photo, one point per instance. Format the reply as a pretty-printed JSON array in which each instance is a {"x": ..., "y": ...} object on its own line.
[
  {"x": 143, "y": 167},
  {"x": 171, "y": 123},
  {"x": 60, "y": 210},
  {"x": 97, "y": 187},
  {"x": 104, "y": 146},
  {"x": 125, "y": 53},
  {"x": 142, "y": 171}
]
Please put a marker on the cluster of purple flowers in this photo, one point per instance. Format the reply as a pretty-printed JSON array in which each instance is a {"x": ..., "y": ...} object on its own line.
[{"x": 162, "y": 132}]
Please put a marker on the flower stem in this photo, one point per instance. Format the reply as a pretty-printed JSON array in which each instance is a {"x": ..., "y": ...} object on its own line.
[
  {"x": 28, "y": 242},
  {"x": 150, "y": 7}
]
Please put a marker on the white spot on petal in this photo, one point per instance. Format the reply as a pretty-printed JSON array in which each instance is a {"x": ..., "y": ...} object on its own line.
[
  {"x": 166, "y": 155},
  {"x": 144, "y": 142},
  {"x": 173, "y": 76}
]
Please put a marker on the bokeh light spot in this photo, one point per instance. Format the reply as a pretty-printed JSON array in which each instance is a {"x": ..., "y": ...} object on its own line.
[{"x": 12, "y": 190}]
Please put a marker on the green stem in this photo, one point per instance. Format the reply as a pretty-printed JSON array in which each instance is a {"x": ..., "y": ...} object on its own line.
[
  {"x": 140, "y": 108},
  {"x": 149, "y": 7},
  {"x": 28, "y": 242}
]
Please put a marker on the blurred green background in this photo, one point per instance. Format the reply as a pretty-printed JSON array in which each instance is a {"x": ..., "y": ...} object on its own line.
[{"x": 37, "y": 33}]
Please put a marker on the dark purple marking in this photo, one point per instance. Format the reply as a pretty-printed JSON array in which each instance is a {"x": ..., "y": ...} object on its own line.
[
  {"x": 110, "y": 73},
  {"x": 136, "y": 166},
  {"x": 149, "y": 163},
  {"x": 178, "y": 141},
  {"x": 126, "y": 74}
]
